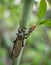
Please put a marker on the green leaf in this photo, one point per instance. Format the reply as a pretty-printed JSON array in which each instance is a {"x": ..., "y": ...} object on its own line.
[
  {"x": 45, "y": 22},
  {"x": 42, "y": 9}
]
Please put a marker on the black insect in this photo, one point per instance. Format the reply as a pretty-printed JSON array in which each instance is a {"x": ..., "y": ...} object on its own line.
[{"x": 18, "y": 44}]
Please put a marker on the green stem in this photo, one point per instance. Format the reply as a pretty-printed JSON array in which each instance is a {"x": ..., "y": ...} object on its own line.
[
  {"x": 27, "y": 9},
  {"x": 20, "y": 56}
]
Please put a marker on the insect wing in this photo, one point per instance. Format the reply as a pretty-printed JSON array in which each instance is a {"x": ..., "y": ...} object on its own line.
[{"x": 17, "y": 48}]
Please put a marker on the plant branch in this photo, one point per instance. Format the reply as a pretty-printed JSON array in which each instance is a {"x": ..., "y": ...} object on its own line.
[{"x": 27, "y": 9}]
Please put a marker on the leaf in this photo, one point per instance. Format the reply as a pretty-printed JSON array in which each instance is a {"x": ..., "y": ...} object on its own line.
[
  {"x": 45, "y": 22},
  {"x": 42, "y": 9}
]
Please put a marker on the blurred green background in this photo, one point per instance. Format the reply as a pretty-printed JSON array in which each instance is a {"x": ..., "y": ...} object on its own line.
[{"x": 37, "y": 50}]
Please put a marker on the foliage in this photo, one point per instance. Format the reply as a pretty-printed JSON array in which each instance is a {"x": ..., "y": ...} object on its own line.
[
  {"x": 37, "y": 48},
  {"x": 42, "y": 9},
  {"x": 44, "y": 22}
]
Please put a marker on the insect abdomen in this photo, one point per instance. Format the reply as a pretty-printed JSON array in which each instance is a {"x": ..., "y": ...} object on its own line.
[{"x": 17, "y": 48}]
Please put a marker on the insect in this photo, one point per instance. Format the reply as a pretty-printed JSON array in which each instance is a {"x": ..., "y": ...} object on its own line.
[{"x": 19, "y": 42}]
